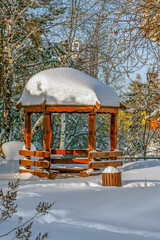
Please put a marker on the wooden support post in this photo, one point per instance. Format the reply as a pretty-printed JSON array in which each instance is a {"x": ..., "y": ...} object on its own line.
[
  {"x": 47, "y": 131},
  {"x": 27, "y": 131},
  {"x": 92, "y": 132},
  {"x": 20, "y": 132},
  {"x": 113, "y": 132}
]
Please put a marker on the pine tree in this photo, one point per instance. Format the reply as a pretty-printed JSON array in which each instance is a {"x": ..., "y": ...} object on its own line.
[{"x": 142, "y": 100}]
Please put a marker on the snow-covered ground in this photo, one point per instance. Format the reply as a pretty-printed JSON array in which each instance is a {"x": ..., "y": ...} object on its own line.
[{"x": 85, "y": 210}]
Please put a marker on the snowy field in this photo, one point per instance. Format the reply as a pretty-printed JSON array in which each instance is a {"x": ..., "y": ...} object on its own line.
[{"x": 84, "y": 210}]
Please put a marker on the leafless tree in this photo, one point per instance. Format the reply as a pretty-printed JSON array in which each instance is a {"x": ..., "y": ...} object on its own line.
[
  {"x": 23, "y": 27},
  {"x": 136, "y": 29}
]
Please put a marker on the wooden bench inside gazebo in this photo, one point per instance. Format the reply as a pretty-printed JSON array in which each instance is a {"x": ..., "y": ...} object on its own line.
[{"x": 66, "y": 90}]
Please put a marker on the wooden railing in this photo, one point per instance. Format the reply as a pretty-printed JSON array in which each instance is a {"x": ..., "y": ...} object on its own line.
[
  {"x": 94, "y": 159},
  {"x": 95, "y": 154},
  {"x": 70, "y": 152},
  {"x": 29, "y": 153}
]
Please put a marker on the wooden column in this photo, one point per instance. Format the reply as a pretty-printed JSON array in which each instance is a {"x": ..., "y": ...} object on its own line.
[
  {"x": 20, "y": 132},
  {"x": 113, "y": 132},
  {"x": 27, "y": 131},
  {"x": 47, "y": 131},
  {"x": 92, "y": 132}
]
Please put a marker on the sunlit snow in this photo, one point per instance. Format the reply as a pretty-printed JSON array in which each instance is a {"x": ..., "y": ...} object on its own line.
[
  {"x": 84, "y": 209},
  {"x": 67, "y": 86}
]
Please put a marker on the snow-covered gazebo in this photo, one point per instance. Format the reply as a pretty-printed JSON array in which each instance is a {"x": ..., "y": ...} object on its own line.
[{"x": 67, "y": 90}]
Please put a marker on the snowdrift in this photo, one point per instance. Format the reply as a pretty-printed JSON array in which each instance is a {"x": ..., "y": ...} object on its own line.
[{"x": 11, "y": 153}]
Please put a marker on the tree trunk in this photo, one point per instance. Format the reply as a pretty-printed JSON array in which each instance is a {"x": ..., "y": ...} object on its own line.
[{"x": 7, "y": 80}]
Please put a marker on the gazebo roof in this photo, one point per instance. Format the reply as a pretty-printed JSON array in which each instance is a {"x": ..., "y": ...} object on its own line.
[{"x": 67, "y": 86}]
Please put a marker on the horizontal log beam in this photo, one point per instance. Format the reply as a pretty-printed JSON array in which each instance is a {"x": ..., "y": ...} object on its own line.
[
  {"x": 40, "y": 173},
  {"x": 34, "y": 172},
  {"x": 70, "y": 109},
  {"x": 70, "y": 152},
  {"x": 123, "y": 106},
  {"x": 69, "y": 170},
  {"x": 104, "y": 164},
  {"x": 44, "y": 164},
  {"x": 105, "y": 154},
  {"x": 88, "y": 173},
  {"x": 107, "y": 110},
  {"x": 29, "y": 153},
  {"x": 70, "y": 161}
]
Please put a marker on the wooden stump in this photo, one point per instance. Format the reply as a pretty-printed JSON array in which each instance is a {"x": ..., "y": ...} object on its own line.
[{"x": 111, "y": 179}]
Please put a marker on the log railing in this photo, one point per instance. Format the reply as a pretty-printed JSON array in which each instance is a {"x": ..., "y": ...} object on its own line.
[
  {"x": 95, "y": 154},
  {"x": 29, "y": 153},
  {"x": 94, "y": 164},
  {"x": 70, "y": 151},
  {"x": 94, "y": 159},
  {"x": 52, "y": 152}
]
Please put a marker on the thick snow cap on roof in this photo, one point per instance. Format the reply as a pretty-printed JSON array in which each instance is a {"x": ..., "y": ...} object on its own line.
[{"x": 67, "y": 86}]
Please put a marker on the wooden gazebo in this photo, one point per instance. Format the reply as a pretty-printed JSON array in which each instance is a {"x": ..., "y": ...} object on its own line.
[{"x": 66, "y": 90}]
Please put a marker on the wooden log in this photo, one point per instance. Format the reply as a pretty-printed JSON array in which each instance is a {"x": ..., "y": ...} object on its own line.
[
  {"x": 92, "y": 132},
  {"x": 36, "y": 172},
  {"x": 70, "y": 161},
  {"x": 105, "y": 154},
  {"x": 123, "y": 106},
  {"x": 34, "y": 153},
  {"x": 20, "y": 118},
  {"x": 33, "y": 109},
  {"x": 70, "y": 109},
  {"x": 44, "y": 164},
  {"x": 103, "y": 164},
  {"x": 27, "y": 131},
  {"x": 111, "y": 179},
  {"x": 68, "y": 170},
  {"x": 70, "y": 151},
  {"x": 88, "y": 173},
  {"x": 53, "y": 174},
  {"x": 60, "y": 108},
  {"x": 107, "y": 110},
  {"x": 47, "y": 132},
  {"x": 40, "y": 173},
  {"x": 113, "y": 132}
]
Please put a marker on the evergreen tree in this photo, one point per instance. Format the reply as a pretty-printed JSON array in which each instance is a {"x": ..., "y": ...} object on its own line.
[{"x": 142, "y": 100}]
